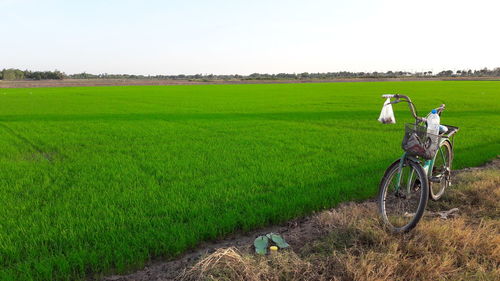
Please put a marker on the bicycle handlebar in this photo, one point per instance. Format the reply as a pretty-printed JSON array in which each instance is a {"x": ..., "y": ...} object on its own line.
[
  {"x": 397, "y": 96},
  {"x": 441, "y": 108},
  {"x": 413, "y": 110}
]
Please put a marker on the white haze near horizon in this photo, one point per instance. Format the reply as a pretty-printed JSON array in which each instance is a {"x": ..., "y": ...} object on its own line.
[{"x": 243, "y": 37}]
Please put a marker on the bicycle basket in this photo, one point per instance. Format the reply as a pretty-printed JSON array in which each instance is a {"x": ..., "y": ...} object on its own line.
[{"x": 418, "y": 142}]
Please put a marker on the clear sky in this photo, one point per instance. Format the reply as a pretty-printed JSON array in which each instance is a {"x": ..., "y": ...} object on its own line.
[{"x": 227, "y": 37}]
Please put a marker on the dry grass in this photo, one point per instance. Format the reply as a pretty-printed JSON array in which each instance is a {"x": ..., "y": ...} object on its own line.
[
  {"x": 355, "y": 245},
  {"x": 230, "y": 264}
]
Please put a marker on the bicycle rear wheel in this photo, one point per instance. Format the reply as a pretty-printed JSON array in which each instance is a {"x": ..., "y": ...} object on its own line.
[
  {"x": 441, "y": 172},
  {"x": 402, "y": 206}
]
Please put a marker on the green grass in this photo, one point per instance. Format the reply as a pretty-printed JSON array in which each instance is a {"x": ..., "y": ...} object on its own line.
[{"x": 102, "y": 179}]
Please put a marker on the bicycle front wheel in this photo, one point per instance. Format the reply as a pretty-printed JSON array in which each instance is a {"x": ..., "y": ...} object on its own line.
[{"x": 403, "y": 195}]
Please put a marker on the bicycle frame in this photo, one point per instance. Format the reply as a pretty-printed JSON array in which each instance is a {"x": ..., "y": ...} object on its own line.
[{"x": 428, "y": 165}]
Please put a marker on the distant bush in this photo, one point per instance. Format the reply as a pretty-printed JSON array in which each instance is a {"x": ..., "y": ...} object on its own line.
[
  {"x": 44, "y": 75},
  {"x": 12, "y": 74},
  {"x": 16, "y": 74}
]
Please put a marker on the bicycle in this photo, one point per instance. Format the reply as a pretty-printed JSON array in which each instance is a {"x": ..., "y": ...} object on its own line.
[{"x": 422, "y": 172}]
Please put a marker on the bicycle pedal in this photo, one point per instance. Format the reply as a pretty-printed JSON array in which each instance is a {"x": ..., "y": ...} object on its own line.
[{"x": 435, "y": 179}]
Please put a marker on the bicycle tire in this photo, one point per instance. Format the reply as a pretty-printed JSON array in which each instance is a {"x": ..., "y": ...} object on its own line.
[
  {"x": 439, "y": 169},
  {"x": 384, "y": 187}
]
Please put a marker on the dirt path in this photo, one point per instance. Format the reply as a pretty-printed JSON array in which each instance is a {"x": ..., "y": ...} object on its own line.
[{"x": 308, "y": 233}]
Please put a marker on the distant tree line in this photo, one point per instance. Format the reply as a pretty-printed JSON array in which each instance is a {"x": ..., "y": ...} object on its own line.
[
  {"x": 16, "y": 74},
  {"x": 485, "y": 72}
]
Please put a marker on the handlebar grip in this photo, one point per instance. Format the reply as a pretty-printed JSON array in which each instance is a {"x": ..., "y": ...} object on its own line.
[
  {"x": 441, "y": 108},
  {"x": 388, "y": 96}
]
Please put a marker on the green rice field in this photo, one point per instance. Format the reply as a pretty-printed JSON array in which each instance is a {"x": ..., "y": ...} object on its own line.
[{"x": 100, "y": 180}]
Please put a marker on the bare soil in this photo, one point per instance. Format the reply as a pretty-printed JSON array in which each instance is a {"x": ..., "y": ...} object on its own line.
[
  {"x": 161, "y": 82},
  {"x": 349, "y": 243}
]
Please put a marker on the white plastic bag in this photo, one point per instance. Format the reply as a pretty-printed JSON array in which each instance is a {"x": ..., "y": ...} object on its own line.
[{"x": 387, "y": 115}]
